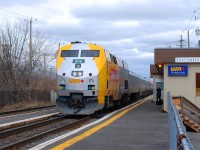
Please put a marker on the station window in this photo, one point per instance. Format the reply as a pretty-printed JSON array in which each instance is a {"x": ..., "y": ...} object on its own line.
[{"x": 197, "y": 84}]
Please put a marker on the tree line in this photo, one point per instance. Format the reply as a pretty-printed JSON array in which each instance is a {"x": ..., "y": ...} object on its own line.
[{"x": 23, "y": 75}]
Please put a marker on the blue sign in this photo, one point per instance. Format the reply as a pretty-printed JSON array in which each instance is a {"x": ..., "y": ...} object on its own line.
[{"x": 177, "y": 70}]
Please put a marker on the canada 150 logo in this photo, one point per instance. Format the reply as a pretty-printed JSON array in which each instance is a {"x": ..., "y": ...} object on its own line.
[{"x": 114, "y": 75}]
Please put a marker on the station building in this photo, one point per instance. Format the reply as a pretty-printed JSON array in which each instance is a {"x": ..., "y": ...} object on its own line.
[{"x": 177, "y": 70}]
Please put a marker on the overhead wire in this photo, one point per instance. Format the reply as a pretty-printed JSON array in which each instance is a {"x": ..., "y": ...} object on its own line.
[
  {"x": 14, "y": 14},
  {"x": 186, "y": 29},
  {"x": 9, "y": 15},
  {"x": 190, "y": 20},
  {"x": 8, "y": 11}
]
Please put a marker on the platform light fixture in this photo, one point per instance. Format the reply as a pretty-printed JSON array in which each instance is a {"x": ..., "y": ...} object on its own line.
[{"x": 160, "y": 66}]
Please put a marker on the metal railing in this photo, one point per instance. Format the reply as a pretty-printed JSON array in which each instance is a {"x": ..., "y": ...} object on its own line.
[
  {"x": 190, "y": 110},
  {"x": 179, "y": 138}
]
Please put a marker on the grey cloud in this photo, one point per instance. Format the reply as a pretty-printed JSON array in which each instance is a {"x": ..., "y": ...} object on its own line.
[
  {"x": 156, "y": 10},
  {"x": 97, "y": 25},
  {"x": 140, "y": 66},
  {"x": 90, "y": 30},
  {"x": 5, "y": 3}
]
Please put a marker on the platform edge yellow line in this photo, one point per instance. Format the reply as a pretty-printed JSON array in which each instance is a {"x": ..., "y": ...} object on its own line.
[{"x": 93, "y": 130}]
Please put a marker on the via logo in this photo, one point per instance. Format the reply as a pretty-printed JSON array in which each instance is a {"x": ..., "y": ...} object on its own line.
[{"x": 177, "y": 68}]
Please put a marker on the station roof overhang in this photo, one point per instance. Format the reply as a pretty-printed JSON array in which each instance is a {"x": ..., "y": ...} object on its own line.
[{"x": 169, "y": 55}]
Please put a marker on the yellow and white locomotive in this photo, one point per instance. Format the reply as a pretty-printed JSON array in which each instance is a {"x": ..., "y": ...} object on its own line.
[{"x": 91, "y": 78}]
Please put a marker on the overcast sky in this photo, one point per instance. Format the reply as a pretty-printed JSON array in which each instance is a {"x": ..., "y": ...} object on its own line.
[{"x": 131, "y": 29}]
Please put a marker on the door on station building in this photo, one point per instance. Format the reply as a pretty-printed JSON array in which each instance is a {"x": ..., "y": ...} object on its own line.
[
  {"x": 160, "y": 84},
  {"x": 197, "y": 84}
]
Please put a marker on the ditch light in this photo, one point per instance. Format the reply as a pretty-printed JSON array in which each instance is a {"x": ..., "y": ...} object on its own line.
[
  {"x": 91, "y": 87},
  {"x": 62, "y": 87}
]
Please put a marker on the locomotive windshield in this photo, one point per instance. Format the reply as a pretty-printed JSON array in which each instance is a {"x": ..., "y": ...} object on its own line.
[
  {"x": 69, "y": 53},
  {"x": 90, "y": 53}
]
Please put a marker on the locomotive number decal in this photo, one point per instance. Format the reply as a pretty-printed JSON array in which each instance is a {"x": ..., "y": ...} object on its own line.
[{"x": 74, "y": 81}]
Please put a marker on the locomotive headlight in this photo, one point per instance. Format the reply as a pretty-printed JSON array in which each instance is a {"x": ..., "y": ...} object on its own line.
[
  {"x": 74, "y": 73},
  {"x": 91, "y": 80},
  {"x": 80, "y": 73},
  {"x": 62, "y": 80},
  {"x": 77, "y": 73}
]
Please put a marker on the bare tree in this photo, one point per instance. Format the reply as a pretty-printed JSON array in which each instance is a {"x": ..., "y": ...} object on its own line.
[
  {"x": 15, "y": 72},
  {"x": 13, "y": 45}
]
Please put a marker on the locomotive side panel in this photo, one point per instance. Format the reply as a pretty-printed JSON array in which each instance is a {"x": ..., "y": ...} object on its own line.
[
  {"x": 124, "y": 83},
  {"x": 137, "y": 87},
  {"x": 101, "y": 65},
  {"x": 117, "y": 78}
]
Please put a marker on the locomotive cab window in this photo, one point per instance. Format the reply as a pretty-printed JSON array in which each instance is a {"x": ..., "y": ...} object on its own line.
[
  {"x": 69, "y": 53},
  {"x": 113, "y": 59},
  {"x": 90, "y": 53}
]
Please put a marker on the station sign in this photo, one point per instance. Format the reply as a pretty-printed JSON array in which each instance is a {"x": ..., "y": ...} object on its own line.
[
  {"x": 187, "y": 59},
  {"x": 177, "y": 70}
]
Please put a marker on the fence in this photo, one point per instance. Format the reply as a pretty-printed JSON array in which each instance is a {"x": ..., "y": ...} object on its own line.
[
  {"x": 179, "y": 138},
  {"x": 12, "y": 97}
]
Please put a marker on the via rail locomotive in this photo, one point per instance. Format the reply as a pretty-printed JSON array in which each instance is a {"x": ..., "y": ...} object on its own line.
[{"x": 90, "y": 78}]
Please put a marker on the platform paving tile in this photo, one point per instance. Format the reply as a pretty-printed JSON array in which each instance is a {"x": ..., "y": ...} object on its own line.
[
  {"x": 195, "y": 139},
  {"x": 143, "y": 128}
]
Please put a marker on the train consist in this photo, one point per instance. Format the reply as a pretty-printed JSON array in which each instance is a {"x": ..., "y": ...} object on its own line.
[{"x": 90, "y": 78}]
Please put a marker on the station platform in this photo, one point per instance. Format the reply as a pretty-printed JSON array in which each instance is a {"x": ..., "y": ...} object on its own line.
[
  {"x": 141, "y": 127},
  {"x": 144, "y": 127}
]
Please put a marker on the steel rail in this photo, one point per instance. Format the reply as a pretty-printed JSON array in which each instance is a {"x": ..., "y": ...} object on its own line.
[
  {"x": 42, "y": 135},
  {"x": 27, "y": 109},
  {"x": 23, "y": 128}
]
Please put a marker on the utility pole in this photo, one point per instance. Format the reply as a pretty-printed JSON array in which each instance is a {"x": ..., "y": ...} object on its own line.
[
  {"x": 1, "y": 49},
  {"x": 56, "y": 54},
  {"x": 181, "y": 42},
  {"x": 58, "y": 46},
  {"x": 188, "y": 36},
  {"x": 30, "y": 46},
  {"x": 44, "y": 64}
]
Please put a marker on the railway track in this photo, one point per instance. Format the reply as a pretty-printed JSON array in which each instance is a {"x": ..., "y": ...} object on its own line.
[
  {"x": 26, "y": 110},
  {"x": 20, "y": 136}
]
